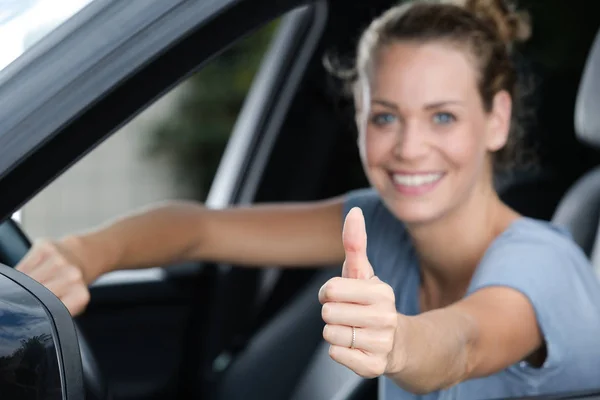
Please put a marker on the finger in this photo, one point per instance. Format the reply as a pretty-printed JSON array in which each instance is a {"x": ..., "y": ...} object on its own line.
[
  {"x": 358, "y": 315},
  {"x": 354, "y": 237},
  {"x": 364, "y": 339},
  {"x": 58, "y": 287},
  {"x": 77, "y": 300},
  {"x": 361, "y": 363},
  {"x": 44, "y": 271},
  {"x": 356, "y": 291},
  {"x": 65, "y": 281},
  {"x": 32, "y": 259},
  {"x": 341, "y": 335}
]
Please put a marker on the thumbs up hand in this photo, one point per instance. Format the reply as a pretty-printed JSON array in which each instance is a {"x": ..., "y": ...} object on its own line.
[{"x": 359, "y": 309}]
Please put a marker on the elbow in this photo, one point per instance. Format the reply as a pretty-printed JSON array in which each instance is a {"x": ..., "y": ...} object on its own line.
[{"x": 467, "y": 359}]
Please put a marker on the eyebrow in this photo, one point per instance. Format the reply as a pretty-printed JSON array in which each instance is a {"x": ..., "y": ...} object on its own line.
[{"x": 439, "y": 104}]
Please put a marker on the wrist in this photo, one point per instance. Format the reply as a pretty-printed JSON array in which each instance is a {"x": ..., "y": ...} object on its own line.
[
  {"x": 398, "y": 358},
  {"x": 91, "y": 254},
  {"x": 405, "y": 367}
]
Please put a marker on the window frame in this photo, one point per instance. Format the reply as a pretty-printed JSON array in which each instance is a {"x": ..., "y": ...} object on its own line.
[
  {"x": 256, "y": 129},
  {"x": 66, "y": 85}
]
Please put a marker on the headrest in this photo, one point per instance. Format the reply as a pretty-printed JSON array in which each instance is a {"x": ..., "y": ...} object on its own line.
[{"x": 587, "y": 106}]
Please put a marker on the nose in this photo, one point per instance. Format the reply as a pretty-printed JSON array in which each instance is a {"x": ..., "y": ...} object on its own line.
[{"x": 411, "y": 142}]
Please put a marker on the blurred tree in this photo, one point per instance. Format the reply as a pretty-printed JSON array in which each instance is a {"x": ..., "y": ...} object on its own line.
[{"x": 193, "y": 139}]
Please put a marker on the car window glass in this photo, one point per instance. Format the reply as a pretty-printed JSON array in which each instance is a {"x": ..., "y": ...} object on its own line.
[
  {"x": 170, "y": 150},
  {"x": 24, "y": 22}
]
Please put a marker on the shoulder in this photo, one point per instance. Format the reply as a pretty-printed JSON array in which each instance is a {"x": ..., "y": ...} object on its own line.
[
  {"x": 543, "y": 263},
  {"x": 536, "y": 253},
  {"x": 532, "y": 242}
]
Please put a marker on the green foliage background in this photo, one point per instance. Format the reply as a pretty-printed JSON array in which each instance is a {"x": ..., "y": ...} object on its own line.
[{"x": 194, "y": 137}]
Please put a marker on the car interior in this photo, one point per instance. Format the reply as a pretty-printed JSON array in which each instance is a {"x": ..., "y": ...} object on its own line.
[{"x": 209, "y": 331}]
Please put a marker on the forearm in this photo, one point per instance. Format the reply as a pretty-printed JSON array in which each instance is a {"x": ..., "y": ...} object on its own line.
[
  {"x": 438, "y": 350},
  {"x": 268, "y": 235},
  {"x": 157, "y": 236}
]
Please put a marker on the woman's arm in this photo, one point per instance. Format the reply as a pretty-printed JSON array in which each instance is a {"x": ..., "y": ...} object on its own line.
[
  {"x": 480, "y": 335},
  {"x": 266, "y": 235}
]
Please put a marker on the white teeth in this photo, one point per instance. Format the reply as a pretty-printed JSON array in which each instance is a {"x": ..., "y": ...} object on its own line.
[{"x": 416, "y": 180}]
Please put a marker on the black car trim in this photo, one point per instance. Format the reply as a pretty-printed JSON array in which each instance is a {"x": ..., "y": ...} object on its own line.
[
  {"x": 33, "y": 153},
  {"x": 64, "y": 332}
]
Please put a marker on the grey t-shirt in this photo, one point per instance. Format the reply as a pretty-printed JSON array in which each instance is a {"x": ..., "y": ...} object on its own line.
[{"x": 535, "y": 258}]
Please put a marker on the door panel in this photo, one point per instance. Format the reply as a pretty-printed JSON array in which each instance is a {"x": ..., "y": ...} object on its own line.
[{"x": 139, "y": 330}]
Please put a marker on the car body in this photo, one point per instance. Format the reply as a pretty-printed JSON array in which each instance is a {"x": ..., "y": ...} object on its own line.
[{"x": 212, "y": 331}]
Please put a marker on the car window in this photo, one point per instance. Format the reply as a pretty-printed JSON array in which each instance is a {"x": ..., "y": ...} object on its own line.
[
  {"x": 170, "y": 150},
  {"x": 25, "y": 22}
]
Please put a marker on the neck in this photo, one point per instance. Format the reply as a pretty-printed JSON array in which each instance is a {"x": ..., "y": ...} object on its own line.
[{"x": 451, "y": 247}]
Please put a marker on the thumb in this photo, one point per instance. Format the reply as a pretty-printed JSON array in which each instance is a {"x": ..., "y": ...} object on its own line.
[{"x": 354, "y": 237}]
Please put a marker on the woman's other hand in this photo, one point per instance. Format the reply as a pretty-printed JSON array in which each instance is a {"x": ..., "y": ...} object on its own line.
[{"x": 55, "y": 265}]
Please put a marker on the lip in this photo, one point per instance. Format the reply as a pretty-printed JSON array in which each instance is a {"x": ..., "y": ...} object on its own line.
[
  {"x": 415, "y": 173},
  {"x": 416, "y": 189}
]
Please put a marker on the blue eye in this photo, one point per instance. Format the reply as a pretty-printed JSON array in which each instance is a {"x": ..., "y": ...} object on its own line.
[
  {"x": 383, "y": 119},
  {"x": 443, "y": 118}
]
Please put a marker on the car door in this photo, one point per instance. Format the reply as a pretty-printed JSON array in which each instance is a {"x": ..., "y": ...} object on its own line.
[{"x": 91, "y": 76}]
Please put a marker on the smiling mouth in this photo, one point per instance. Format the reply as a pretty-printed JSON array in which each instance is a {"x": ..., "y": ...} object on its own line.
[{"x": 416, "y": 184}]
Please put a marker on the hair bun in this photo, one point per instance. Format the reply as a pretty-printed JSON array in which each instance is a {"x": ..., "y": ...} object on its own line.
[{"x": 512, "y": 25}]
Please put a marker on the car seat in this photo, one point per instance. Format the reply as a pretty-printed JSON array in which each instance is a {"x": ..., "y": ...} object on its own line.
[
  {"x": 288, "y": 358},
  {"x": 579, "y": 209}
]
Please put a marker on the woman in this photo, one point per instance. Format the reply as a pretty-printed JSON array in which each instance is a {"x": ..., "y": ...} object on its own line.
[{"x": 457, "y": 296}]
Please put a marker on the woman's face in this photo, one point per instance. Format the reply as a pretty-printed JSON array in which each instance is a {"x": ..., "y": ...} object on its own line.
[{"x": 425, "y": 138}]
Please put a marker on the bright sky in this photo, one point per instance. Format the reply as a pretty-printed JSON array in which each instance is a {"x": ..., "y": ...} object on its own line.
[{"x": 39, "y": 14}]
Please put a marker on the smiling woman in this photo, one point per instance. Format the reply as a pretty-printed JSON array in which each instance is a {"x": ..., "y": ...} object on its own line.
[{"x": 456, "y": 295}]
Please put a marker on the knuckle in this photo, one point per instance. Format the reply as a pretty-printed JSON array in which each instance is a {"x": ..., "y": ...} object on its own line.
[
  {"x": 327, "y": 333},
  {"x": 384, "y": 320},
  {"x": 85, "y": 296},
  {"x": 333, "y": 352},
  {"x": 374, "y": 367},
  {"x": 390, "y": 320},
  {"x": 80, "y": 297},
  {"x": 74, "y": 274},
  {"x": 386, "y": 342},
  {"x": 326, "y": 311},
  {"x": 336, "y": 281},
  {"x": 386, "y": 292},
  {"x": 330, "y": 288},
  {"x": 44, "y": 246},
  {"x": 379, "y": 319}
]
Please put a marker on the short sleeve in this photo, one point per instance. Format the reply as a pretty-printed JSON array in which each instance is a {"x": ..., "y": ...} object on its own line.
[
  {"x": 366, "y": 199},
  {"x": 551, "y": 271}
]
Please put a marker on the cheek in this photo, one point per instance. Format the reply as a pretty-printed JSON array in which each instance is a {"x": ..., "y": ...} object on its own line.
[
  {"x": 376, "y": 147},
  {"x": 466, "y": 147}
]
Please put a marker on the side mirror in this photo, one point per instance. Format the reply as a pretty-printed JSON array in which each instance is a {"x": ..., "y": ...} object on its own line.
[{"x": 39, "y": 350}]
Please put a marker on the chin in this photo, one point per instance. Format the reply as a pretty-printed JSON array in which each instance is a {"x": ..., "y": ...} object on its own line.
[{"x": 414, "y": 214}]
